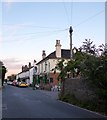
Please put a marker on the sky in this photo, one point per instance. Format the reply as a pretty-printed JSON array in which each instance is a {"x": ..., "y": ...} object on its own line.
[{"x": 27, "y": 28}]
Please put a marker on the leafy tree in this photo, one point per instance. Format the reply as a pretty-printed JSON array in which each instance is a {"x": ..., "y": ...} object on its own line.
[
  {"x": 94, "y": 67},
  {"x": 2, "y": 72},
  {"x": 11, "y": 77},
  {"x": 88, "y": 47},
  {"x": 61, "y": 67},
  {"x": 91, "y": 63}
]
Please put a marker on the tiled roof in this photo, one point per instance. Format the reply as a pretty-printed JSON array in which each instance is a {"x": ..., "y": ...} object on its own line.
[
  {"x": 25, "y": 71},
  {"x": 65, "y": 53}
]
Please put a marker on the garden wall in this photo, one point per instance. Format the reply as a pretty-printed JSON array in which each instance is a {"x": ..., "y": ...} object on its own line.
[{"x": 79, "y": 88}]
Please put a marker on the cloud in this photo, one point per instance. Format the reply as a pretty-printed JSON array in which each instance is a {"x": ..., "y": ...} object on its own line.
[
  {"x": 11, "y": 31},
  {"x": 1, "y": 39},
  {"x": 13, "y": 65}
]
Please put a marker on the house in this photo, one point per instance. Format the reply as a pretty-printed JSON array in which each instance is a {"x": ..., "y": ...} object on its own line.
[
  {"x": 45, "y": 73},
  {"x": 26, "y": 74}
]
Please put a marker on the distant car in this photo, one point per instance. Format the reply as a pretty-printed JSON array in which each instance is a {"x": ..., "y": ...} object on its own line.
[
  {"x": 14, "y": 82},
  {"x": 17, "y": 84},
  {"x": 37, "y": 86},
  {"x": 23, "y": 84},
  {"x": 9, "y": 82}
]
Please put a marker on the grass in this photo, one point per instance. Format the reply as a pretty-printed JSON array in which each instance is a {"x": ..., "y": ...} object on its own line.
[{"x": 95, "y": 105}]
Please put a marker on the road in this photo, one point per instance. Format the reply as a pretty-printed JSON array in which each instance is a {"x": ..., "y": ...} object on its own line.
[{"x": 28, "y": 103}]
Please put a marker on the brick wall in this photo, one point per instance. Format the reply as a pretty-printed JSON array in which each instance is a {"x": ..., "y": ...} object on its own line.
[{"x": 54, "y": 76}]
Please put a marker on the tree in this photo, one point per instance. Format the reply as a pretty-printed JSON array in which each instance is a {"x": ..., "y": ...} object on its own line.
[
  {"x": 11, "y": 77},
  {"x": 88, "y": 47},
  {"x": 2, "y": 72},
  {"x": 91, "y": 63},
  {"x": 61, "y": 67},
  {"x": 94, "y": 68}
]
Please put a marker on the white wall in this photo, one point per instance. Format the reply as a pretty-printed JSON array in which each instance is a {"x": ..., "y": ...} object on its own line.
[
  {"x": 31, "y": 75},
  {"x": 50, "y": 64},
  {"x": 23, "y": 75},
  {"x": 53, "y": 63}
]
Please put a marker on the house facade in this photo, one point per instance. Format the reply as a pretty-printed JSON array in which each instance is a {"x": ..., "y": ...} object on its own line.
[
  {"x": 26, "y": 74},
  {"x": 45, "y": 67}
]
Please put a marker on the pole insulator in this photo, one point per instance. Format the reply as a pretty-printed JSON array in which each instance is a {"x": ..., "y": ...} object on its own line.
[{"x": 70, "y": 30}]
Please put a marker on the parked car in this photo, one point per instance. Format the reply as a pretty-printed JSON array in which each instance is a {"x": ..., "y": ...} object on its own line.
[
  {"x": 17, "y": 83},
  {"x": 23, "y": 84},
  {"x": 37, "y": 86},
  {"x": 14, "y": 82},
  {"x": 9, "y": 82}
]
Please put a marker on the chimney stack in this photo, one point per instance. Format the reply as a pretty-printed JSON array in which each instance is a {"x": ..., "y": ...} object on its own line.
[
  {"x": 29, "y": 65},
  {"x": 22, "y": 68},
  {"x": 26, "y": 68},
  {"x": 58, "y": 49},
  {"x": 43, "y": 54}
]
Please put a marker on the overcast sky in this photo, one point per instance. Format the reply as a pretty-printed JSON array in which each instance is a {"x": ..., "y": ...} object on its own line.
[{"x": 30, "y": 27}]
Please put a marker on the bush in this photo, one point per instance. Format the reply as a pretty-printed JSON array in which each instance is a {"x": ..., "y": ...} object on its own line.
[{"x": 94, "y": 105}]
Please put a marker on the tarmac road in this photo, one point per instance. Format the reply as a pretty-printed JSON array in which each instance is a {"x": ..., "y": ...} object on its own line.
[{"x": 28, "y": 103}]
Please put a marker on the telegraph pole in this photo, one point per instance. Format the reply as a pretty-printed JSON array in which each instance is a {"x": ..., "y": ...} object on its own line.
[{"x": 70, "y": 31}]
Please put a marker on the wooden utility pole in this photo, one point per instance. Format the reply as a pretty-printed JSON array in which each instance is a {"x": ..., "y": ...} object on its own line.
[{"x": 70, "y": 31}]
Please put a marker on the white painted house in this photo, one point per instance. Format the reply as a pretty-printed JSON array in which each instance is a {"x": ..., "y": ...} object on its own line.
[
  {"x": 27, "y": 74},
  {"x": 48, "y": 63}
]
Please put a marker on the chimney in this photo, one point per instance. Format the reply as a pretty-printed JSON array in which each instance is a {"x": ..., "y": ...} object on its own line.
[
  {"x": 43, "y": 54},
  {"x": 22, "y": 68},
  {"x": 58, "y": 49},
  {"x": 26, "y": 68},
  {"x": 29, "y": 65}
]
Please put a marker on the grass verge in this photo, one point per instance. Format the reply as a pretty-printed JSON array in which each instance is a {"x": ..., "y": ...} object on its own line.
[{"x": 93, "y": 105}]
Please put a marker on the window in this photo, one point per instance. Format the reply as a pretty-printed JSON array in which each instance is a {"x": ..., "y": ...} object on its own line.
[{"x": 51, "y": 80}]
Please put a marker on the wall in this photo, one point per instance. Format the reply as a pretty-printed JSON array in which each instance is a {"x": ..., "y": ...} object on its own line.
[
  {"x": 31, "y": 75},
  {"x": 54, "y": 76},
  {"x": 79, "y": 88},
  {"x": 0, "y": 83}
]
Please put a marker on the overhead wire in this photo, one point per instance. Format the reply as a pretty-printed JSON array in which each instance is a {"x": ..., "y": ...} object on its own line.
[
  {"x": 71, "y": 12},
  {"x": 66, "y": 12},
  {"x": 84, "y": 21},
  {"x": 31, "y": 37},
  {"x": 40, "y": 32},
  {"x": 88, "y": 19},
  {"x": 34, "y": 26}
]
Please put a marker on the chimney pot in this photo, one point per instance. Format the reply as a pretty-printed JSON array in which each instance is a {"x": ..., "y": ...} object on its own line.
[
  {"x": 29, "y": 64},
  {"x": 43, "y": 54}
]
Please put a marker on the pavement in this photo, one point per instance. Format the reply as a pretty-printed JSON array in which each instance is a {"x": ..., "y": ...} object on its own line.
[{"x": 0, "y": 104}]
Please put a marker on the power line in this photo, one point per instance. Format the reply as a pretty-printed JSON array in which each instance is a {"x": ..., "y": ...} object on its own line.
[
  {"x": 33, "y": 37},
  {"x": 71, "y": 12},
  {"x": 66, "y": 12},
  {"x": 41, "y": 32},
  {"x": 34, "y": 26},
  {"x": 89, "y": 18},
  {"x": 56, "y": 30}
]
